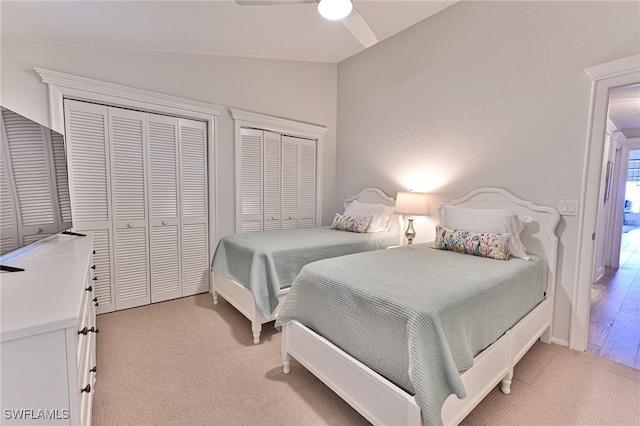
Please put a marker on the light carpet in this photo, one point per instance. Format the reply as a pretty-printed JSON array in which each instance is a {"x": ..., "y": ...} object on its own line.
[{"x": 188, "y": 362}]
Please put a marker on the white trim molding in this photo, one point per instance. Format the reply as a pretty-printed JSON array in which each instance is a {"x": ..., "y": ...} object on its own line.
[
  {"x": 287, "y": 127},
  {"x": 61, "y": 86},
  {"x": 605, "y": 76}
]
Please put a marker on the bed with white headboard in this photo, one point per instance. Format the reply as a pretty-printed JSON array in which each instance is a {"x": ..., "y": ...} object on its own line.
[
  {"x": 385, "y": 400},
  {"x": 241, "y": 264}
]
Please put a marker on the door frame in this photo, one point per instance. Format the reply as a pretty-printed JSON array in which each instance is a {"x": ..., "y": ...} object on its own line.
[{"x": 605, "y": 76}]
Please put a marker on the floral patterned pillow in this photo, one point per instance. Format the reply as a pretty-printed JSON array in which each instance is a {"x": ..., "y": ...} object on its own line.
[
  {"x": 351, "y": 223},
  {"x": 486, "y": 244}
]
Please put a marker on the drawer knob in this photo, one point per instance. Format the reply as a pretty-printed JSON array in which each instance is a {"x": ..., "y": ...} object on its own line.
[
  {"x": 84, "y": 331},
  {"x": 94, "y": 330},
  {"x": 93, "y": 370},
  {"x": 96, "y": 304},
  {"x": 93, "y": 267},
  {"x": 86, "y": 389},
  {"x": 95, "y": 278},
  {"x": 95, "y": 299},
  {"x": 94, "y": 252},
  {"x": 90, "y": 288}
]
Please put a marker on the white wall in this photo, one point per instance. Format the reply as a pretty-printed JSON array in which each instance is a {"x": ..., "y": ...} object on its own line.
[
  {"x": 482, "y": 94},
  {"x": 295, "y": 90}
]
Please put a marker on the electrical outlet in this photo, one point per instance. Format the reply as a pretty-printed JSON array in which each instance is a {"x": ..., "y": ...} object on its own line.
[{"x": 569, "y": 207}]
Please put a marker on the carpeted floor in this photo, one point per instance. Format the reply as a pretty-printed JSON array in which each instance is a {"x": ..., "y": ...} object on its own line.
[{"x": 188, "y": 362}]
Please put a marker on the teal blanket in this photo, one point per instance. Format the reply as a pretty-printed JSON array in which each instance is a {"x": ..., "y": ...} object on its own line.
[
  {"x": 415, "y": 315},
  {"x": 266, "y": 262}
]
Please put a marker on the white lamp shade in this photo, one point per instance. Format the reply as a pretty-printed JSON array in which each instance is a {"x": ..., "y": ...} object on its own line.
[
  {"x": 412, "y": 203},
  {"x": 334, "y": 9}
]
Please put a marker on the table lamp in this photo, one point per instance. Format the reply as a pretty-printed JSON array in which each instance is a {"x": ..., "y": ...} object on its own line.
[{"x": 411, "y": 204}]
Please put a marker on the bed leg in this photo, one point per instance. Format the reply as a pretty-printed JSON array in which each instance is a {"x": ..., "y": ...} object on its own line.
[
  {"x": 215, "y": 297},
  {"x": 546, "y": 336},
  {"x": 256, "y": 328},
  {"x": 505, "y": 384},
  {"x": 286, "y": 363}
]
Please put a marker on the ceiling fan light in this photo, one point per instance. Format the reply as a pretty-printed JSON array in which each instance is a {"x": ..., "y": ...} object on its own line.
[{"x": 334, "y": 9}]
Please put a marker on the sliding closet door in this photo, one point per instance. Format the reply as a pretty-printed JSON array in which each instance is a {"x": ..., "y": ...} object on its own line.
[
  {"x": 272, "y": 181},
  {"x": 165, "y": 236},
  {"x": 249, "y": 173},
  {"x": 307, "y": 182},
  {"x": 290, "y": 153},
  {"x": 87, "y": 137},
  {"x": 128, "y": 134},
  {"x": 193, "y": 190}
]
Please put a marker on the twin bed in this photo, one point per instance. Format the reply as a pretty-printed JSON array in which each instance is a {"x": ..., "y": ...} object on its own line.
[
  {"x": 254, "y": 271},
  {"x": 401, "y": 334}
]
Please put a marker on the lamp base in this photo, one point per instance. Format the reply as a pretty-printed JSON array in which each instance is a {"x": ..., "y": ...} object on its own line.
[{"x": 410, "y": 233}]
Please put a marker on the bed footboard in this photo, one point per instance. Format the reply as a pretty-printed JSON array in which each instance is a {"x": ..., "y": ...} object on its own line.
[
  {"x": 242, "y": 299},
  {"x": 383, "y": 403}
]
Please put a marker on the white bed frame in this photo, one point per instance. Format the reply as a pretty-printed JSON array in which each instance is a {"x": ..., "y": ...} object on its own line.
[
  {"x": 383, "y": 403},
  {"x": 242, "y": 298}
]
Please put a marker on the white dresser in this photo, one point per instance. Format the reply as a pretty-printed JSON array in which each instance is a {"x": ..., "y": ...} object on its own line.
[{"x": 48, "y": 334}]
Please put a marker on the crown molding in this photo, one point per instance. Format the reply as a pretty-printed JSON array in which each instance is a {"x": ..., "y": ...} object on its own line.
[
  {"x": 278, "y": 124},
  {"x": 69, "y": 81}
]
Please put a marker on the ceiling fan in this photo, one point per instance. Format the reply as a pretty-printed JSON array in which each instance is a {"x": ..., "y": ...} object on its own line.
[{"x": 333, "y": 10}]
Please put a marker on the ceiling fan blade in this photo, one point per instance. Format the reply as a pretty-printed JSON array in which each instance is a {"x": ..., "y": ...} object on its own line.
[
  {"x": 356, "y": 24},
  {"x": 271, "y": 2}
]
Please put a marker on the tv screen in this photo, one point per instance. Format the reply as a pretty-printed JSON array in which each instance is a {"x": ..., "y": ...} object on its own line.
[{"x": 34, "y": 186}]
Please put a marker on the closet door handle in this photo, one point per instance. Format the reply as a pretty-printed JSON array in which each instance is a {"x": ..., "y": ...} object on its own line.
[
  {"x": 129, "y": 225},
  {"x": 164, "y": 222}
]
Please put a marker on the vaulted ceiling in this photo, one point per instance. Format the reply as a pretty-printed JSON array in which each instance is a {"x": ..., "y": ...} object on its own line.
[{"x": 222, "y": 27}]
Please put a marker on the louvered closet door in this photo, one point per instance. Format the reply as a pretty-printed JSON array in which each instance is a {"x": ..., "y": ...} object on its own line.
[
  {"x": 272, "y": 181},
  {"x": 29, "y": 144},
  {"x": 250, "y": 184},
  {"x": 307, "y": 182},
  {"x": 164, "y": 247},
  {"x": 8, "y": 206},
  {"x": 127, "y": 136},
  {"x": 194, "y": 203},
  {"x": 290, "y": 152},
  {"x": 87, "y": 136}
]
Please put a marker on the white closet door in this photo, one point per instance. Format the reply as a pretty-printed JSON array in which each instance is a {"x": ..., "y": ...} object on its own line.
[
  {"x": 8, "y": 206},
  {"x": 29, "y": 144},
  {"x": 127, "y": 136},
  {"x": 61, "y": 173},
  {"x": 88, "y": 157},
  {"x": 250, "y": 185},
  {"x": 193, "y": 189},
  {"x": 164, "y": 247},
  {"x": 272, "y": 181},
  {"x": 290, "y": 153},
  {"x": 307, "y": 182}
]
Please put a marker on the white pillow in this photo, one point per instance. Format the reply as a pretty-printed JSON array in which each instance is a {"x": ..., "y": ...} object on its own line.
[
  {"x": 488, "y": 220},
  {"x": 380, "y": 214}
]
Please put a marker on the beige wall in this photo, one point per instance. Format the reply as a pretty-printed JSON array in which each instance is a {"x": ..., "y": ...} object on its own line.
[
  {"x": 294, "y": 90},
  {"x": 482, "y": 94}
]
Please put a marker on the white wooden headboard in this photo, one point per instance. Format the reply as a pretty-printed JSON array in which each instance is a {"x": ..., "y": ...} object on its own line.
[
  {"x": 378, "y": 196},
  {"x": 541, "y": 233}
]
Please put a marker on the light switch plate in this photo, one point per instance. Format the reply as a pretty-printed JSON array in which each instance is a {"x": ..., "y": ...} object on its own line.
[{"x": 569, "y": 207}]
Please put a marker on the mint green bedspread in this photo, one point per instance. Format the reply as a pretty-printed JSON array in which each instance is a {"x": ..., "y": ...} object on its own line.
[
  {"x": 415, "y": 315},
  {"x": 266, "y": 262}
]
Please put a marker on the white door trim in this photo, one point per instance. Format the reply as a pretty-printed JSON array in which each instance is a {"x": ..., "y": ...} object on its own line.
[
  {"x": 61, "y": 86},
  {"x": 605, "y": 76}
]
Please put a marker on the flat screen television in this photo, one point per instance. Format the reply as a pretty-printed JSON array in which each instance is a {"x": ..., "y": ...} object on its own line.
[{"x": 34, "y": 186}]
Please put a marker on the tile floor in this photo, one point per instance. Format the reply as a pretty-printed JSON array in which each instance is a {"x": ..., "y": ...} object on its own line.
[{"x": 614, "y": 325}]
